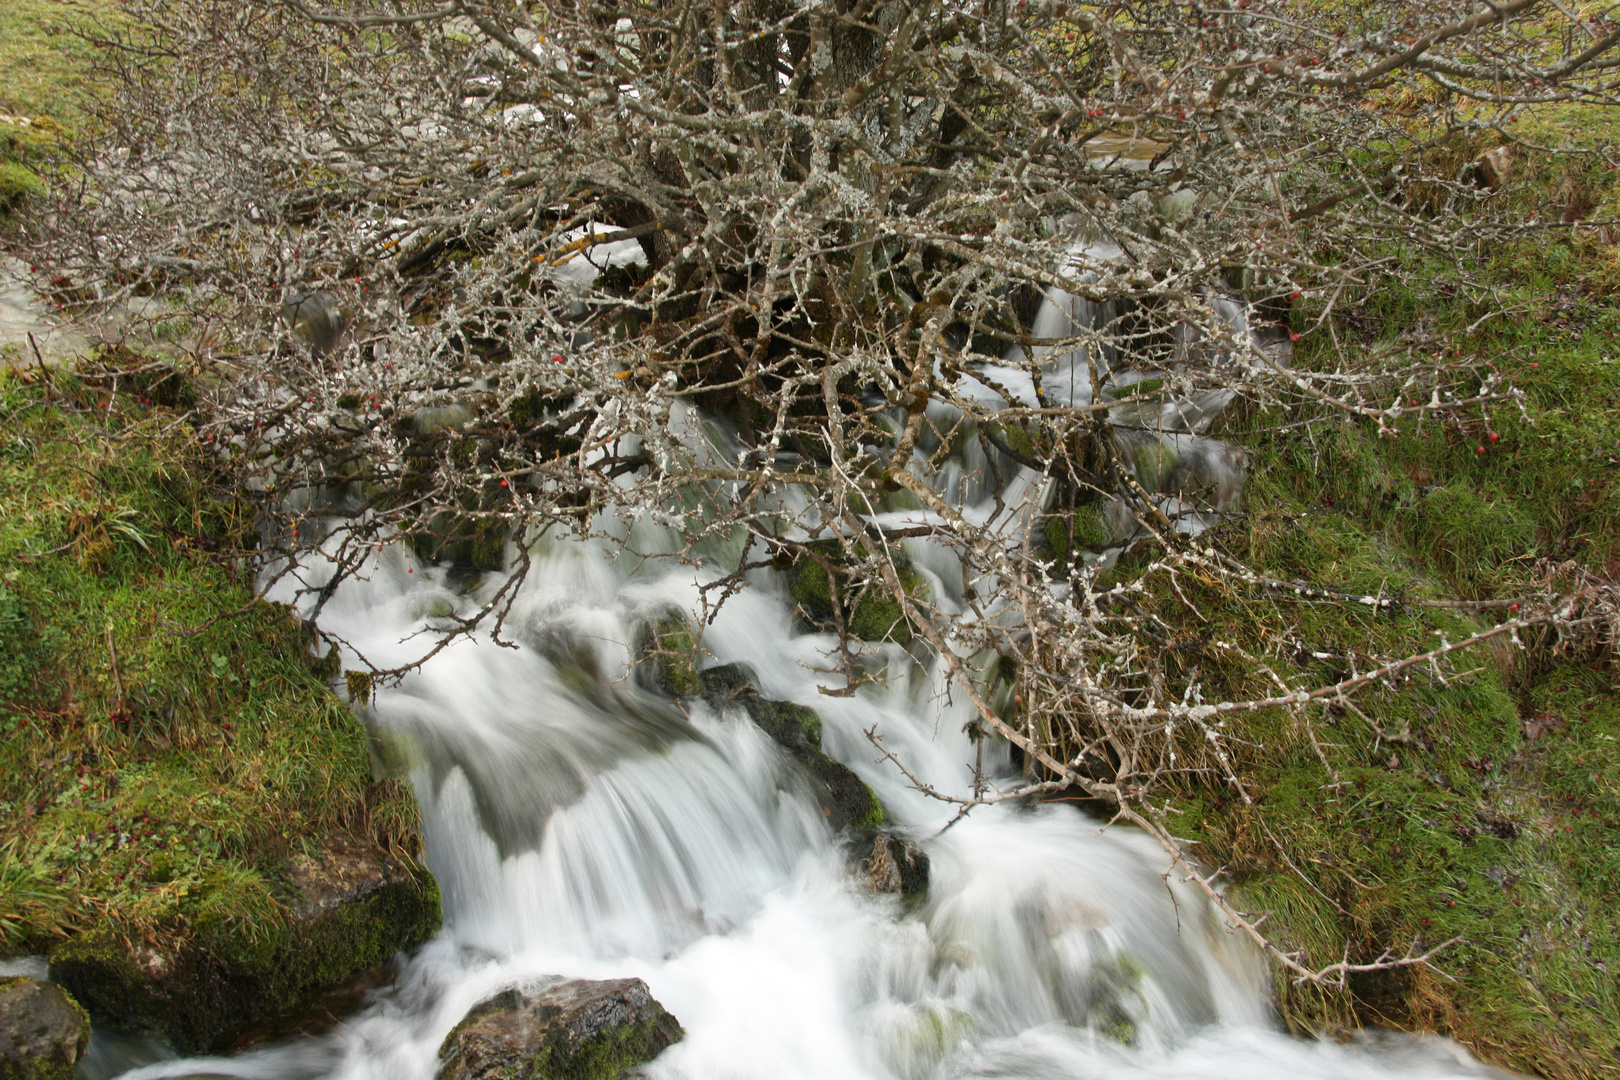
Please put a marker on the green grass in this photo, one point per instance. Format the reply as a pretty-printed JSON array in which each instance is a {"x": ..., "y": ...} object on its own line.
[
  {"x": 48, "y": 87},
  {"x": 1494, "y": 819},
  {"x": 45, "y": 66},
  {"x": 167, "y": 744}
]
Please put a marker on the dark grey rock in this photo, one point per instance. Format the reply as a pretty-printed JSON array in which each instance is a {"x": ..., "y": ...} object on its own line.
[
  {"x": 43, "y": 1031},
  {"x": 578, "y": 1030},
  {"x": 845, "y": 800}
]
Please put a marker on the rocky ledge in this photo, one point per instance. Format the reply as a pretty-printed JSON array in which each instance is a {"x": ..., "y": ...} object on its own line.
[
  {"x": 350, "y": 907},
  {"x": 43, "y": 1031},
  {"x": 578, "y": 1030}
]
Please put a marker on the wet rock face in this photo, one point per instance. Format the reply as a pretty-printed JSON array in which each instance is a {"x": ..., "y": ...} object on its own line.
[
  {"x": 895, "y": 866},
  {"x": 845, "y": 800},
  {"x": 352, "y": 907},
  {"x": 578, "y": 1030},
  {"x": 43, "y": 1031}
]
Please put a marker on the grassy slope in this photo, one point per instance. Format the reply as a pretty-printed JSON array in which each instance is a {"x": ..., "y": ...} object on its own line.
[
  {"x": 44, "y": 79},
  {"x": 151, "y": 773},
  {"x": 44, "y": 66},
  {"x": 169, "y": 788},
  {"x": 1496, "y": 819}
]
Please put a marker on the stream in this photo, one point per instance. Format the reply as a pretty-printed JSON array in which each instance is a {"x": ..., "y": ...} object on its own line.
[{"x": 582, "y": 825}]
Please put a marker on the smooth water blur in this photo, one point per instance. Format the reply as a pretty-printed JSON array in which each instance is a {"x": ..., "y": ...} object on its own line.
[{"x": 580, "y": 825}]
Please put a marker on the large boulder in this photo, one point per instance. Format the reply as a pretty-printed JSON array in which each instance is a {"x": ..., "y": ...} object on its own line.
[
  {"x": 845, "y": 800},
  {"x": 349, "y": 908},
  {"x": 577, "y": 1030},
  {"x": 43, "y": 1031}
]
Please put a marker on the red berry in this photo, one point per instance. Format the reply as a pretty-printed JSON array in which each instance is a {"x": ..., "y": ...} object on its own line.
[
  {"x": 1481, "y": 449},
  {"x": 1494, "y": 436},
  {"x": 1534, "y": 364}
]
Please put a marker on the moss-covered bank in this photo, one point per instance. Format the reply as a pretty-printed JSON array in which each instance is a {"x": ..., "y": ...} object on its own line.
[
  {"x": 1483, "y": 806},
  {"x": 174, "y": 769}
]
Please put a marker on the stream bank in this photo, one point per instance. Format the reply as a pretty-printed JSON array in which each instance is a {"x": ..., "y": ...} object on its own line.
[{"x": 192, "y": 831}]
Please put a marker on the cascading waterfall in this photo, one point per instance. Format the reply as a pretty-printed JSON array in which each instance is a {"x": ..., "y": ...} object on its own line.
[{"x": 581, "y": 825}]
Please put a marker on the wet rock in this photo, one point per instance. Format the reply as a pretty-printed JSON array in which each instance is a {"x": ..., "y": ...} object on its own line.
[
  {"x": 845, "y": 800},
  {"x": 43, "y": 1031},
  {"x": 668, "y": 656},
  {"x": 349, "y": 908},
  {"x": 581, "y": 1030},
  {"x": 895, "y": 865}
]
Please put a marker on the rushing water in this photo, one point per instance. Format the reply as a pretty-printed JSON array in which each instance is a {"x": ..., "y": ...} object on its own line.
[{"x": 583, "y": 826}]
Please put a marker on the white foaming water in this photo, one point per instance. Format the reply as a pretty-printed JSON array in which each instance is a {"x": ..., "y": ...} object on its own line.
[{"x": 581, "y": 826}]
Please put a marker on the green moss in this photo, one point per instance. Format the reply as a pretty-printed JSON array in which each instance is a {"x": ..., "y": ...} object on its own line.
[
  {"x": 810, "y": 588},
  {"x": 610, "y": 1055},
  {"x": 870, "y": 612},
  {"x": 17, "y": 182},
  {"x": 1087, "y": 526},
  {"x": 672, "y": 652},
  {"x": 1153, "y": 463}
]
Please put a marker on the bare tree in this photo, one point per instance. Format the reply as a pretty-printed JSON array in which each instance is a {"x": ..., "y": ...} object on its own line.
[{"x": 826, "y": 284}]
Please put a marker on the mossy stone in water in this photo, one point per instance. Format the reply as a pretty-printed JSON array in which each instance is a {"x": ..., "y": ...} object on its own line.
[
  {"x": 895, "y": 865},
  {"x": 466, "y": 543},
  {"x": 872, "y": 614},
  {"x": 845, "y": 800},
  {"x": 671, "y": 654},
  {"x": 577, "y": 1030},
  {"x": 43, "y": 1031}
]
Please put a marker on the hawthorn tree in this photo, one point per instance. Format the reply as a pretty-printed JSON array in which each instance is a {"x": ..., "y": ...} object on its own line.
[{"x": 821, "y": 285}]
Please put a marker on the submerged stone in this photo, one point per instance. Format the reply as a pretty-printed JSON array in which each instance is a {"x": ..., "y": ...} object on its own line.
[
  {"x": 578, "y": 1030},
  {"x": 43, "y": 1031},
  {"x": 846, "y": 801},
  {"x": 353, "y": 906}
]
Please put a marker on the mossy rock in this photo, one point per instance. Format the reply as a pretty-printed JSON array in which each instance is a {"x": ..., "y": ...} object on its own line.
[
  {"x": 846, "y": 801},
  {"x": 668, "y": 655},
  {"x": 17, "y": 182},
  {"x": 1088, "y": 526},
  {"x": 198, "y": 985},
  {"x": 870, "y": 614},
  {"x": 466, "y": 543},
  {"x": 43, "y": 1031},
  {"x": 1154, "y": 465},
  {"x": 576, "y": 1030}
]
